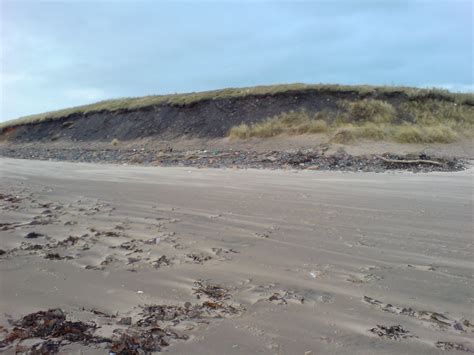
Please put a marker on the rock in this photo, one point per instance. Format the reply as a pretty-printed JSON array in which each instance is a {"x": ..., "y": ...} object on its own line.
[
  {"x": 310, "y": 159},
  {"x": 33, "y": 235},
  {"x": 53, "y": 256}
]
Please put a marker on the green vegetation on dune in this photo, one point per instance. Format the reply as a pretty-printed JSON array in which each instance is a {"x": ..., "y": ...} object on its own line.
[
  {"x": 404, "y": 133},
  {"x": 437, "y": 133},
  {"x": 348, "y": 133},
  {"x": 413, "y": 94},
  {"x": 376, "y": 111},
  {"x": 291, "y": 123},
  {"x": 431, "y": 112},
  {"x": 430, "y": 121}
]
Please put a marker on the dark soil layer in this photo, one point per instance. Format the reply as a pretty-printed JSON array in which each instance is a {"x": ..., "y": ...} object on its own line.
[
  {"x": 314, "y": 159},
  {"x": 210, "y": 118}
]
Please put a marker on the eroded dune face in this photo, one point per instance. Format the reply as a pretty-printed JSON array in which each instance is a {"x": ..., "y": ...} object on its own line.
[{"x": 232, "y": 261}]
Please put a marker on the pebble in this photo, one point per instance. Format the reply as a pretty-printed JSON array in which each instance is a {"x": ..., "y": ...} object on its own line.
[
  {"x": 311, "y": 159},
  {"x": 33, "y": 235}
]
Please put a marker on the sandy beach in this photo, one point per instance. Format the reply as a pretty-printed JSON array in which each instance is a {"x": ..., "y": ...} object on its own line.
[{"x": 306, "y": 262}]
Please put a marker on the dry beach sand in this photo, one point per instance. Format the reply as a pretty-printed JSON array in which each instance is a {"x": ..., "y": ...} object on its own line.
[{"x": 255, "y": 262}]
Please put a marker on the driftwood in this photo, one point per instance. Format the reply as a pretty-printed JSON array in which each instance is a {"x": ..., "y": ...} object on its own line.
[{"x": 415, "y": 161}]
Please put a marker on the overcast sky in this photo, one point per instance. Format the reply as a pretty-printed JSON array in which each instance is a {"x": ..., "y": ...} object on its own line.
[{"x": 65, "y": 53}]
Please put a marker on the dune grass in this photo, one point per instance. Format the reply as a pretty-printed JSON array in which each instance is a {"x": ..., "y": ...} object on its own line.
[
  {"x": 413, "y": 94},
  {"x": 431, "y": 112},
  {"x": 430, "y": 121},
  {"x": 376, "y": 111},
  {"x": 290, "y": 123},
  {"x": 438, "y": 133},
  {"x": 349, "y": 133},
  {"x": 405, "y": 133}
]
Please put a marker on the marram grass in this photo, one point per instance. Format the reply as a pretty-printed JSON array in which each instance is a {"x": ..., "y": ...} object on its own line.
[{"x": 190, "y": 98}]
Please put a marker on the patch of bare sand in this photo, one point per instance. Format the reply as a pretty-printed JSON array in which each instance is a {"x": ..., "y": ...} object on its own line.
[{"x": 325, "y": 262}]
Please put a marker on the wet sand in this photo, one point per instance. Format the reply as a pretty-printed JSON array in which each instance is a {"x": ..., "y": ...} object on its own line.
[{"x": 312, "y": 261}]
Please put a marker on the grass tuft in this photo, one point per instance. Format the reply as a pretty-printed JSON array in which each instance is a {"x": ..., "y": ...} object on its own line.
[
  {"x": 371, "y": 131},
  {"x": 432, "y": 112},
  {"x": 345, "y": 134},
  {"x": 241, "y": 131},
  {"x": 428, "y": 121},
  {"x": 370, "y": 110},
  {"x": 405, "y": 133},
  {"x": 409, "y": 133},
  {"x": 291, "y": 123},
  {"x": 349, "y": 133}
]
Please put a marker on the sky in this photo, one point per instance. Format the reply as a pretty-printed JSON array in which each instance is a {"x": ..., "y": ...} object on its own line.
[{"x": 58, "y": 54}]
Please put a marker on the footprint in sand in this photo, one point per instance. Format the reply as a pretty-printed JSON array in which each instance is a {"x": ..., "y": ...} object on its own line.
[{"x": 422, "y": 267}]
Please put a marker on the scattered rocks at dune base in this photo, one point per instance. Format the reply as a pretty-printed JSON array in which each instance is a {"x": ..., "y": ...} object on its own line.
[{"x": 314, "y": 159}]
